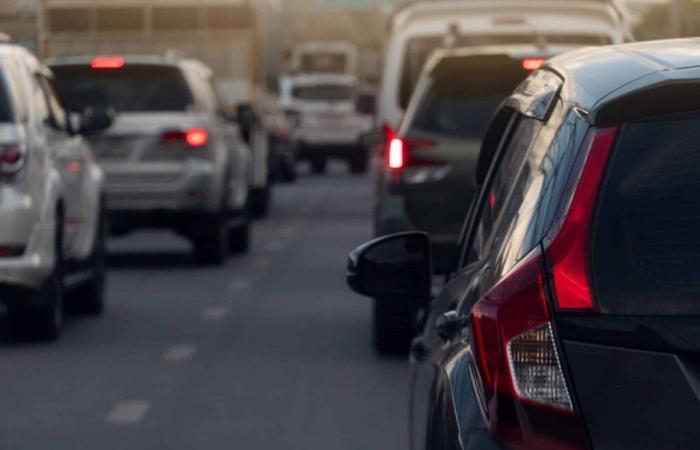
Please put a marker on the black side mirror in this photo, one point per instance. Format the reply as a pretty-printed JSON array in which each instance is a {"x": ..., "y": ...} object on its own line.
[
  {"x": 366, "y": 104},
  {"x": 96, "y": 119},
  {"x": 393, "y": 266}
]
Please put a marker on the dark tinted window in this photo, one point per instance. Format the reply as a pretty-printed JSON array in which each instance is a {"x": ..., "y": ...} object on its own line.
[
  {"x": 324, "y": 92},
  {"x": 464, "y": 93},
  {"x": 6, "y": 114},
  {"x": 134, "y": 87},
  {"x": 647, "y": 237}
]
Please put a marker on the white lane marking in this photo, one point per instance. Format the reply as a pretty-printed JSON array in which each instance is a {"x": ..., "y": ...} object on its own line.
[
  {"x": 261, "y": 262},
  {"x": 274, "y": 246},
  {"x": 239, "y": 285},
  {"x": 180, "y": 353},
  {"x": 128, "y": 412},
  {"x": 215, "y": 313}
]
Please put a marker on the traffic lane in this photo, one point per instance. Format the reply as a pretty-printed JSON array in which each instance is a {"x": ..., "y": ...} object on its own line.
[{"x": 270, "y": 351}]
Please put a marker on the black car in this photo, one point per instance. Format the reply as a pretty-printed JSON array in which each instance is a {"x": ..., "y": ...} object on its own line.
[{"x": 572, "y": 320}]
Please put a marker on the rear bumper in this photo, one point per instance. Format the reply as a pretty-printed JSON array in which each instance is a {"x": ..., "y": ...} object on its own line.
[
  {"x": 191, "y": 186},
  {"x": 188, "y": 223}
]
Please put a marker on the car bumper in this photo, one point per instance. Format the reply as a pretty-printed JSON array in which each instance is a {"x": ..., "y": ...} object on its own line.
[
  {"x": 190, "y": 186},
  {"x": 30, "y": 269}
]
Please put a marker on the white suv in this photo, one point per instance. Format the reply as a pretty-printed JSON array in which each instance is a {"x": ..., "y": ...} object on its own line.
[{"x": 51, "y": 210}]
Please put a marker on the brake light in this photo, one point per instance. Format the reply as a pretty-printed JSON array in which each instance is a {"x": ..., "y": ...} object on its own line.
[
  {"x": 568, "y": 251},
  {"x": 396, "y": 154},
  {"x": 107, "y": 62},
  {"x": 11, "y": 159},
  {"x": 517, "y": 370},
  {"x": 399, "y": 154},
  {"x": 532, "y": 64},
  {"x": 192, "y": 137}
]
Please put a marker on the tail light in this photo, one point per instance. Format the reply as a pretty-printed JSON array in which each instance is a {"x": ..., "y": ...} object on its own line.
[
  {"x": 192, "y": 137},
  {"x": 518, "y": 372},
  {"x": 107, "y": 62},
  {"x": 568, "y": 251},
  {"x": 532, "y": 64},
  {"x": 11, "y": 160},
  {"x": 399, "y": 153}
]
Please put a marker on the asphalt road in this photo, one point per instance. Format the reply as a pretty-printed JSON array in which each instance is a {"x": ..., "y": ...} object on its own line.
[{"x": 270, "y": 351}]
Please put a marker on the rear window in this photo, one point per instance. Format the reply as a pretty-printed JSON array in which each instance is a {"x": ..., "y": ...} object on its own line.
[
  {"x": 464, "y": 94},
  {"x": 419, "y": 49},
  {"x": 324, "y": 62},
  {"x": 646, "y": 257},
  {"x": 6, "y": 110},
  {"x": 324, "y": 92},
  {"x": 132, "y": 88}
]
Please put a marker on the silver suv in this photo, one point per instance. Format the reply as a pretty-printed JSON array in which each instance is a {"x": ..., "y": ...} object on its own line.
[
  {"x": 51, "y": 210},
  {"x": 173, "y": 158}
]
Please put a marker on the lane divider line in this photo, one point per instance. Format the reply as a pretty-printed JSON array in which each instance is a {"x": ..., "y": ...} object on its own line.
[
  {"x": 129, "y": 412},
  {"x": 180, "y": 353}
]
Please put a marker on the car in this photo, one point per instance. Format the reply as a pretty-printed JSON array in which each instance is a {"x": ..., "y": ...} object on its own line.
[
  {"x": 174, "y": 158},
  {"x": 52, "y": 217},
  {"x": 420, "y": 27},
  {"x": 329, "y": 124},
  {"x": 427, "y": 180},
  {"x": 571, "y": 318}
]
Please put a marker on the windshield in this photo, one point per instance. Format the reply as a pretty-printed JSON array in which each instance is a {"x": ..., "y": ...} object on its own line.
[
  {"x": 324, "y": 92},
  {"x": 324, "y": 62},
  {"x": 464, "y": 94},
  {"x": 132, "y": 88}
]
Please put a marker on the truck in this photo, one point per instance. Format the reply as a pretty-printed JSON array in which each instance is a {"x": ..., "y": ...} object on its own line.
[{"x": 239, "y": 39}]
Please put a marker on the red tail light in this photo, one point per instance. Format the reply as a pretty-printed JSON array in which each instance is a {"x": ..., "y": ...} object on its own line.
[
  {"x": 568, "y": 252},
  {"x": 518, "y": 374},
  {"x": 399, "y": 153},
  {"x": 11, "y": 159},
  {"x": 107, "y": 62},
  {"x": 532, "y": 64},
  {"x": 193, "y": 137}
]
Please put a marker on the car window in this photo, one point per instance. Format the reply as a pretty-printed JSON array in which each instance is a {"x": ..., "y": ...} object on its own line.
[
  {"x": 324, "y": 92},
  {"x": 463, "y": 95},
  {"x": 132, "y": 88},
  {"x": 15, "y": 98},
  {"x": 56, "y": 109},
  {"x": 646, "y": 248}
]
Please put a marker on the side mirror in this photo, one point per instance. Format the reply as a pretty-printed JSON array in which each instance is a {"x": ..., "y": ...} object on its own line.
[
  {"x": 95, "y": 120},
  {"x": 393, "y": 266}
]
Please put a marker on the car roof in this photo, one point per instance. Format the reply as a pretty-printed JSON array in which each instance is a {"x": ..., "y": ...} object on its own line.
[{"x": 598, "y": 75}]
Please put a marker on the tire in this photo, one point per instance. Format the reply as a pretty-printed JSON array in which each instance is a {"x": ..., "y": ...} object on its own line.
[
  {"x": 88, "y": 297},
  {"x": 260, "y": 202},
  {"x": 239, "y": 236},
  {"x": 392, "y": 327},
  {"x": 43, "y": 322},
  {"x": 359, "y": 165},
  {"x": 211, "y": 242},
  {"x": 319, "y": 166}
]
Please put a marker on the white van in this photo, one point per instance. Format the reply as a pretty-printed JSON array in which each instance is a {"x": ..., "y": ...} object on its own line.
[{"x": 421, "y": 27}]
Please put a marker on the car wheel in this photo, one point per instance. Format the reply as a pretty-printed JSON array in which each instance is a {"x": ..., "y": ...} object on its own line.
[
  {"x": 260, "y": 203},
  {"x": 45, "y": 321},
  {"x": 211, "y": 242},
  {"x": 88, "y": 297},
  {"x": 392, "y": 327},
  {"x": 239, "y": 236},
  {"x": 319, "y": 166},
  {"x": 359, "y": 165}
]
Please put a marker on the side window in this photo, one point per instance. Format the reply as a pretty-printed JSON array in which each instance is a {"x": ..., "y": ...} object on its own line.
[{"x": 56, "y": 110}]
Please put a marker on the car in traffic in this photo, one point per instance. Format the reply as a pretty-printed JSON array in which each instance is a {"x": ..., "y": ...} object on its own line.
[
  {"x": 174, "y": 158},
  {"x": 52, "y": 219},
  {"x": 328, "y": 123},
  {"x": 420, "y": 27},
  {"x": 427, "y": 181},
  {"x": 571, "y": 318}
]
